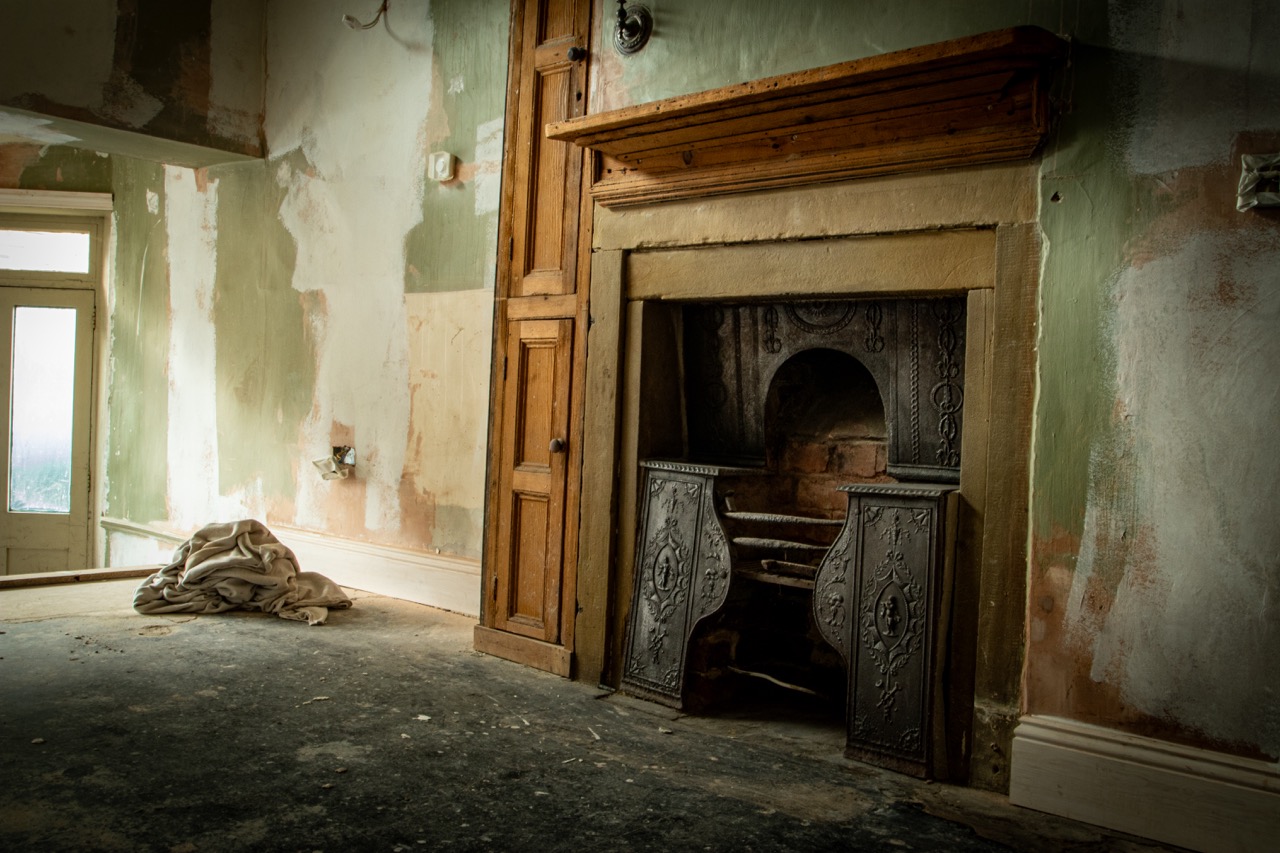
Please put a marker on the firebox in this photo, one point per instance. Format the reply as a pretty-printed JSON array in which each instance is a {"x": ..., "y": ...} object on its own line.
[{"x": 792, "y": 409}]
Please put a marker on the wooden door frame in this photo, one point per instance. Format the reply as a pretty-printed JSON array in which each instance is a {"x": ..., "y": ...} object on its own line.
[
  {"x": 553, "y": 658},
  {"x": 93, "y": 212}
]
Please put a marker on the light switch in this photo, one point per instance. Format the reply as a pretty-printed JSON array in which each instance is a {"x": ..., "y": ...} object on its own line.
[{"x": 440, "y": 165}]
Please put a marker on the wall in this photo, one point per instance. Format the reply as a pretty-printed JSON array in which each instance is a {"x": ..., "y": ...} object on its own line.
[
  {"x": 262, "y": 312},
  {"x": 331, "y": 277},
  {"x": 1155, "y": 561},
  {"x": 1155, "y": 578}
]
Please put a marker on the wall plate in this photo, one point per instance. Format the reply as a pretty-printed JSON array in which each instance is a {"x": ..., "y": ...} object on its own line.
[{"x": 440, "y": 166}]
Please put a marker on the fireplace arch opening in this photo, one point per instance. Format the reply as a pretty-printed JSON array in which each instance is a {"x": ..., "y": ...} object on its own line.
[{"x": 824, "y": 426}]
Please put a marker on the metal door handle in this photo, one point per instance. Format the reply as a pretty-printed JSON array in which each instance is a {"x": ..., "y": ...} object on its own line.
[
  {"x": 577, "y": 54},
  {"x": 557, "y": 445}
]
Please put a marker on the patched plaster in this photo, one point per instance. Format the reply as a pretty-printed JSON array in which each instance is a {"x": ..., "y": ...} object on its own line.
[
  {"x": 1193, "y": 631},
  {"x": 354, "y": 104},
  {"x": 450, "y": 337},
  {"x": 192, "y": 366}
]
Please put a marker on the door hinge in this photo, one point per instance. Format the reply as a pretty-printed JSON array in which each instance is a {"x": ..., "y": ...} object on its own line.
[
  {"x": 504, "y": 368},
  {"x": 511, "y": 249}
]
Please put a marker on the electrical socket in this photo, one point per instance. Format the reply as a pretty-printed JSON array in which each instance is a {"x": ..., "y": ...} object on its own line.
[{"x": 440, "y": 166}]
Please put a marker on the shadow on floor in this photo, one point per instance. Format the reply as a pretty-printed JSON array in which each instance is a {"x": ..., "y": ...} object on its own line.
[{"x": 383, "y": 730}]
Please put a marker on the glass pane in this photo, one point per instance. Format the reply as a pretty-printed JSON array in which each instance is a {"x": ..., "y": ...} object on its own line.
[
  {"x": 44, "y": 251},
  {"x": 43, "y": 385}
]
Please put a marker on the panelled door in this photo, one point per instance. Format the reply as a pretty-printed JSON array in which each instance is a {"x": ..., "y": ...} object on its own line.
[
  {"x": 49, "y": 266},
  {"x": 531, "y": 527}
]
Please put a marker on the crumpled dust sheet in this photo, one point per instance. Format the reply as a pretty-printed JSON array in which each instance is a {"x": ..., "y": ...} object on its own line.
[{"x": 238, "y": 565}]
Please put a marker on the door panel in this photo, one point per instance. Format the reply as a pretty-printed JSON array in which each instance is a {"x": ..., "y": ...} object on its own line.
[
  {"x": 46, "y": 362},
  {"x": 552, "y": 88},
  {"x": 533, "y": 485},
  {"x": 531, "y": 518},
  {"x": 546, "y": 222}
]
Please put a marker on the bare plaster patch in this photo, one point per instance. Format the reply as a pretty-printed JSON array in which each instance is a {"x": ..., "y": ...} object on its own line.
[
  {"x": 191, "y": 216},
  {"x": 15, "y": 158},
  {"x": 450, "y": 336},
  {"x": 20, "y": 127},
  {"x": 1192, "y": 632},
  {"x": 128, "y": 103},
  {"x": 488, "y": 188},
  {"x": 488, "y": 167},
  {"x": 354, "y": 104}
]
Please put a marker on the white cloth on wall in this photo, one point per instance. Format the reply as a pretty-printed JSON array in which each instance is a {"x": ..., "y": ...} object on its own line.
[{"x": 238, "y": 565}]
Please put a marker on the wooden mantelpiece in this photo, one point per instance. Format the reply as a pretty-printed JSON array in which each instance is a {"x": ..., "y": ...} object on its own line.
[{"x": 980, "y": 99}]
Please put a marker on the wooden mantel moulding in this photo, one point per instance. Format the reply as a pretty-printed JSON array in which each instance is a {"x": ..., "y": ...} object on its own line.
[{"x": 974, "y": 100}]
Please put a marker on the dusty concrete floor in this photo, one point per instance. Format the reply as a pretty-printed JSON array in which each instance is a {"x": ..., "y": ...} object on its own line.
[{"x": 383, "y": 730}]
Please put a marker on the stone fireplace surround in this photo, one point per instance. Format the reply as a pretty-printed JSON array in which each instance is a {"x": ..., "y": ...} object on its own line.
[{"x": 968, "y": 232}]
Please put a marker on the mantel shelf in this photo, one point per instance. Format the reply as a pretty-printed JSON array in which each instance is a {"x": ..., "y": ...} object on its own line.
[{"x": 980, "y": 99}]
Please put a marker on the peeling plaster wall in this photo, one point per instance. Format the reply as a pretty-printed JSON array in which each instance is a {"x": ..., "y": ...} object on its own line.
[
  {"x": 354, "y": 105},
  {"x": 190, "y": 212},
  {"x": 1155, "y": 582},
  {"x": 268, "y": 311},
  {"x": 187, "y": 72},
  {"x": 1155, "y": 551},
  {"x": 261, "y": 312},
  {"x": 32, "y": 166}
]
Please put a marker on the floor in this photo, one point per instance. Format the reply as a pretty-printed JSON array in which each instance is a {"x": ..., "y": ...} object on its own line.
[{"x": 383, "y": 730}]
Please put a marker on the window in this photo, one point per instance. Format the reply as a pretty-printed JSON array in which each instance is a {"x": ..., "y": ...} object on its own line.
[{"x": 44, "y": 251}]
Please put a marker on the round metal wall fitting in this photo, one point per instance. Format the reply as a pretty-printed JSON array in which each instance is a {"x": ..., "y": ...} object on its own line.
[{"x": 634, "y": 34}]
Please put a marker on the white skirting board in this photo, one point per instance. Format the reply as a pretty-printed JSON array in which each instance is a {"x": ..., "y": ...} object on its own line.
[
  {"x": 1180, "y": 795},
  {"x": 438, "y": 580}
]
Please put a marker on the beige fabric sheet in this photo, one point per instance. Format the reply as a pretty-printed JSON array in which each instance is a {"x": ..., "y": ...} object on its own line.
[{"x": 238, "y": 564}]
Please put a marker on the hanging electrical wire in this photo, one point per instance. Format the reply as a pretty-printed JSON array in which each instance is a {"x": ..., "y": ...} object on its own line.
[{"x": 354, "y": 23}]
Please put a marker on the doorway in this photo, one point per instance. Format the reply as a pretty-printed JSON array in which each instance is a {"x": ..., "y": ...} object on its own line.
[{"x": 49, "y": 270}]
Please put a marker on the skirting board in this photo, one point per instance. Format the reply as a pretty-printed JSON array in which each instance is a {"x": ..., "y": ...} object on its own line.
[
  {"x": 1180, "y": 795},
  {"x": 438, "y": 580}
]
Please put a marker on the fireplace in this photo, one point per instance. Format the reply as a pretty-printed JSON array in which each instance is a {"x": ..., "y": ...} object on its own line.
[
  {"x": 887, "y": 239},
  {"x": 723, "y": 222},
  {"x": 785, "y": 403}
]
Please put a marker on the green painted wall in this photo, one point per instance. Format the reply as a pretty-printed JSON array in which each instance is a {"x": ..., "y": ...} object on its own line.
[
  {"x": 265, "y": 354},
  {"x": 703, "y": 45},
  {"x": 454, "y": 246},
  {"x": 69, "y": 170},
  {"x": 137, "y": 432}
]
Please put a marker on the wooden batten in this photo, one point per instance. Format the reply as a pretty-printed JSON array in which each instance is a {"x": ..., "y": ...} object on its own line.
[{"x": 976, "y": 100}]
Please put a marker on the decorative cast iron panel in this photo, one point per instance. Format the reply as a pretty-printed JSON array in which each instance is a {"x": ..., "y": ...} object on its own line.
[
  {"x": 681, "y": 576},
  {"x": 914, "y": 349},
  {"x": 880, "y": 599}
]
